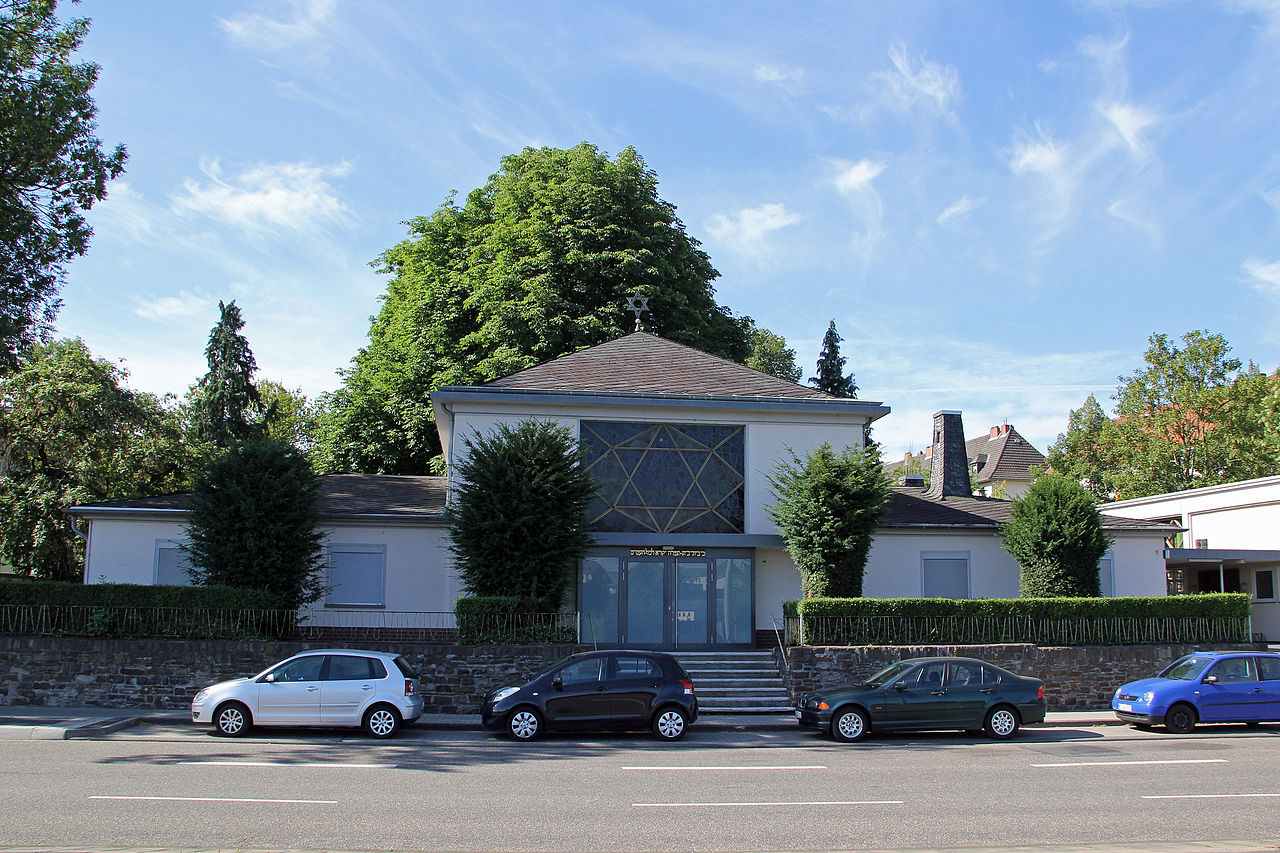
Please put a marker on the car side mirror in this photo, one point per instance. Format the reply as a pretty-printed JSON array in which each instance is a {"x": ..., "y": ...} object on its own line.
[
  {"x": 557, "y": 683},
  {"x": 269, "y": 678},
  {"x": 901, "y": 685},
  {"x": 1211, "y": 679}
]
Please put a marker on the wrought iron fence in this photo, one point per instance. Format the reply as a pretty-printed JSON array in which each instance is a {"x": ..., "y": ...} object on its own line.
[{"x": 959, "y": 630}]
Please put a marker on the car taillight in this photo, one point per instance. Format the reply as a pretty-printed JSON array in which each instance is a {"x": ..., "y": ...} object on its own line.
[
  {"x": 687, "y": 685},
  {"x": 410, "y": 687},
  {"x": 1040, "y": 692}
]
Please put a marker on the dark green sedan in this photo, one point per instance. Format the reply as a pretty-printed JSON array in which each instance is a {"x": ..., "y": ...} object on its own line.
[{"x": 927, "y": 693}]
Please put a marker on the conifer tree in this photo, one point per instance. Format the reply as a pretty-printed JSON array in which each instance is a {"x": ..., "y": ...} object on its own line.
[
  {"x": 223, "y": 397},
  {"x": 831, "y": 377},
  {"x": 1056, "y": 535}
]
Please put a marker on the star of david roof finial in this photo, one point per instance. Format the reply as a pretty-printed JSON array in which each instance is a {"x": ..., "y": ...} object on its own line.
[{"x": 638, "y": 304}]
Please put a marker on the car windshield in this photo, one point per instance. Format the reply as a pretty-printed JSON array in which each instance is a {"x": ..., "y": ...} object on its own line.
[
  {"x": 889, "y": 673},
  {"x": 1187, "y": 668}
]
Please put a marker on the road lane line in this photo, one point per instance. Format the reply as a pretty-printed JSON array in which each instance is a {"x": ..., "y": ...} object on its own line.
[
  {"x": 1130, "y": 763},
  {"x": 1202, "y": 796},
  {"x": 280, "y": 764},
  {"x": 220, "y": 800},
  {"x": 814, "y": 803},
  {"x": 731, "y": 767}
]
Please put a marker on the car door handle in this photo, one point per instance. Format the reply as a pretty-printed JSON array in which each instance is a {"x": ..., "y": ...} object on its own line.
[
  {"x": 987, "y": 690},
  {"x": 312, "y": 689},
  {"x": 938, "y": 693},
  {"x": 366, "y": 686},
  {"x": 601, "y": 689}
]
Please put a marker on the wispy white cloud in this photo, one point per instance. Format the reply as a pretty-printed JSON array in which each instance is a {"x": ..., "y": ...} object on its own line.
[
  {"x": 856, "y": 182},
  {"x": 272, "y": 197},
  {"x": 185, "y": 304},
  {"x": 1131, "y": 122},
  {"x": 311, "y": 20},
  {"x": 912, "y": 83},
  {"x": 1042, "y": 157},
  {"x": 1123, "y": 209},
  {"x": 1263, "y": 275},
  {"x": 747, "y": 232},
  {"x": 961, "y": 207},
  {"x": 787, "y": 78}
]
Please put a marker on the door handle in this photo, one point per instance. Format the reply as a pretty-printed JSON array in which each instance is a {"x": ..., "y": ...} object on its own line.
[
  {"x": 938, "y": 693},
  {"x": 987, "y": 690},
  {"x": 600, "y": 689},
  {"x": 312, "y": 689},
  {"x": 366, "y": 686}
]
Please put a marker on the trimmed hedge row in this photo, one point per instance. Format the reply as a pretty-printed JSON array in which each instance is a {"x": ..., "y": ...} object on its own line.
[
  {"x": 505, "y": 619},
  {"x": 61, "y": 594},
  {"x": 1210, "y": 605}
]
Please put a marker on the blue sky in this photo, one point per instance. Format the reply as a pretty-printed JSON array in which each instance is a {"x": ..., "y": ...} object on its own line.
[{"x": 997, "y": 202}]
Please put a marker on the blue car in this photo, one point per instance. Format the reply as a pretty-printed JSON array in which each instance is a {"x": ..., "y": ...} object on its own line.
[{"x": 1204, "y": 687}]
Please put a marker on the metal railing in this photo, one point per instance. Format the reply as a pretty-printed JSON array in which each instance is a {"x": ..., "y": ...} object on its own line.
[{"x": 958, "y": 630}]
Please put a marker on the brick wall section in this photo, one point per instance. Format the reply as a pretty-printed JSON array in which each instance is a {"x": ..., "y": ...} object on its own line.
[
  {"x": 165, "y": 674},
  {"x": 1075, "y": 677}
]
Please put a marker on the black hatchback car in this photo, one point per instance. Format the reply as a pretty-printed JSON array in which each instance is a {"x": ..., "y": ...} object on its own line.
[{"x": 615, "y": 689}]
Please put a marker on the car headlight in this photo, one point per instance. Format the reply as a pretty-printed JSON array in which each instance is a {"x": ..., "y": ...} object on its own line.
[
  {"x": 499, "y": 695},
  {"x": 1116, "y": 695},
  {"x": 1149, "y": 697},
  {"x": 200, "y": 697}
]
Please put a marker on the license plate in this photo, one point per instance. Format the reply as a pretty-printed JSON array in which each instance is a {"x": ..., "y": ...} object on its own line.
[
  {"x": 797, "y": 713},
  {"x": 1123, "y": 706}
]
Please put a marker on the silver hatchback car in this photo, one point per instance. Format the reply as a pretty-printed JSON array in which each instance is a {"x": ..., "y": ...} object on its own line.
[{"x": 320, "y": 687}]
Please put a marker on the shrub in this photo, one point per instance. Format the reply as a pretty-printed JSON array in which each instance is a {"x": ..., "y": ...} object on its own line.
[
  {"x": 504, "y": 619},
  {"x": 1056, "y": 536}
]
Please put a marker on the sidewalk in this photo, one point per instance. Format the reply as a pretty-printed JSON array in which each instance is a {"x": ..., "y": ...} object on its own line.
[{"x": 37, "y": 722}]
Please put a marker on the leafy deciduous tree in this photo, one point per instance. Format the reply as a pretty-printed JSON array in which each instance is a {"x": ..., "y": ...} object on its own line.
[
  {"x": 770, "y": 354},
  {"x": 1083, "y": 452},
  {"x": 536, "y": 264},
  {"x": 519, "y": 515},
  {"x": 826, "y": 506},
  {"x": 831, "y": 377},
  {"x": 52, "y": 166},
  {"x": 1056, "y": 535},
  {"x": 71, "y": 433},
  {"x": 253, "y": 522}
]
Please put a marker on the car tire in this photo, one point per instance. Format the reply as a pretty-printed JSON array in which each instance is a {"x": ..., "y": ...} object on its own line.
[
  {"x": 670, "y": 723},
  {"x": 524, "y": 724},
  {"x": 381, "y": 721},
  {"x": 849, "y": 725},
  {"x": 1180, "y": 719},
  {"x": 232, "y": 719},
  {"x": 1002, "y": 722}
]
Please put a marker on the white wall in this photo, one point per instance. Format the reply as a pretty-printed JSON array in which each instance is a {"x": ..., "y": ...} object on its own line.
[
  {"x": 125, "y": 551},
  {"x": 1243, "y": 515},
  {"x": 1139, "y": 564},
  {"x": 894, "y": 568},
  {"x": 777, "y": 580}
]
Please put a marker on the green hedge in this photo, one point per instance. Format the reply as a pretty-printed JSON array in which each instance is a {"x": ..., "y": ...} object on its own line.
[
  {"x": 509, "y": 620},
  {"x": 58, "y": 594},
  {"x": 1211, "y": 618}
]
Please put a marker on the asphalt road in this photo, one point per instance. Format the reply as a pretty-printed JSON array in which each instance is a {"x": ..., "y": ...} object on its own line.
[{"x": 177, "y": 786}]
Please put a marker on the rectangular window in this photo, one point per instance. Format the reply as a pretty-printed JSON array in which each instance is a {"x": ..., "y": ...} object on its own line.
[
  {"x": 171, "y": 564},
  {"x": 1264, "y": 584},
  {"x": 1106, "y": 577},
  {"x": 944, "y": 574},
  {"x": 357, "y": 575}
]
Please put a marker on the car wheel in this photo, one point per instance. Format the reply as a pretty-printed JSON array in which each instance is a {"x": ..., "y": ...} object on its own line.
[
  {"x": 1180, "y": 719},
  {"x": 1002, "y": 723},
  {"x": 524, "y": 724},
  {"x": 232, "y": 719},
  {"x": 670, "y": 723},
  {"x": 849, "y": 725},
  {"x": 381, "y": 721}
]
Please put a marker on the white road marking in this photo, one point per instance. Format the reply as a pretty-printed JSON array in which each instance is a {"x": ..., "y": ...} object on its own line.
[
  {"x": 815, "y": 803},
  {"x": 1129, "y": 763},
  {"x": 279, "y": 764},
  {"x": 732, "y": 767},
  {"x": 1202, "y": 796},
  {"x": 220, "y": 800}
]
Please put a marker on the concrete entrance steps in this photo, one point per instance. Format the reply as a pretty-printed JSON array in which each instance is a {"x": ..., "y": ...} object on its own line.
[{"x": 736, "y": 682}]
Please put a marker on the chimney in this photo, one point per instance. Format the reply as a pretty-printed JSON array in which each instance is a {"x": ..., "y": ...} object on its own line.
[{"x": 949, "y": 472}]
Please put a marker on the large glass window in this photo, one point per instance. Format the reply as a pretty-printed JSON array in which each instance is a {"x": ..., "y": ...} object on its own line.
[
  {"x": 357, "y": 575},
  {"x": 944, "y": 575},
  {"x": 733, "y": 601},
  {"x": 666, "y": 478},
  {"x": 598, "y": 588}
]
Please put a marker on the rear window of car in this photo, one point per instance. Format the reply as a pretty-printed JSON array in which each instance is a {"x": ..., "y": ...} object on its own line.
[
  {"x": 636, "y": 667},
  {"x": 1187, "y": 668},
  {"x": 991, "y": 675},
  {"x": 1268, "y": 669},
  {"x": 405, "y": 669},
  {"x": 354, "y": 668}
]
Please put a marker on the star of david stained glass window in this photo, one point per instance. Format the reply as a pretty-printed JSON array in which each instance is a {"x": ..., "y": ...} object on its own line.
[{"x": 665, "y": 478}]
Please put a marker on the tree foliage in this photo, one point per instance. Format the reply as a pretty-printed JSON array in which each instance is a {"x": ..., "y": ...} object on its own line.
[
  {"x": 1191, "y": 416},
  {"x": 826, "y": 507},
  {"x": 52, "y": 166},
  {"x": 71, "y": 433},
  {"x": 519, "y": 515},
  {"x": 253, "y": 522},
  {"x": 831, "y": 377},
  {"x": 535, "y": 264},
  {"x": 223, "y": 399},
  {"x": 770, "y": 354},
  {"x": 1056, "y": 535}
]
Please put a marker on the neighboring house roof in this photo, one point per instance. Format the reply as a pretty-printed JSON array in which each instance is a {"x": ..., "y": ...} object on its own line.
[
  {"x": 1002, "y": 454},
  {"x": 911, "y": 507},
  {"x": 643, "y": 363},
  {"x": 340, "y": 496}
]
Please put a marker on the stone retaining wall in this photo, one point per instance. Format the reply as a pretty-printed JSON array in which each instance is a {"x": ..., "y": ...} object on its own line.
[
  {"x": 1075, "y": 677},
  {"x": 165, "y": 674}
]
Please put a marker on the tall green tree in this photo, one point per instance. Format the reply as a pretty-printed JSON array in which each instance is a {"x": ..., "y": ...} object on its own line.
[
  {"x": 519, "y": 523},
  {"x": 1055, "y": 533},
  {"x": 1084, "y": 452},
  {"x": 537, "y": 263},
  {"x": 52, "y": 166},
  {"x": 286, "y": 414},
  {"x": 71, "y": 433},
  {"x": 826, "y": 506},
  {"x": 253, "y": 522},
  {"x": 223, "y": 399},
  {"x": 770, "y": 354},
  {"x": 831, "y": 377}
]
